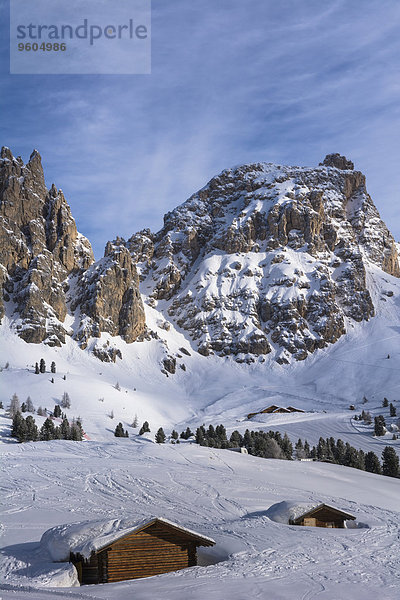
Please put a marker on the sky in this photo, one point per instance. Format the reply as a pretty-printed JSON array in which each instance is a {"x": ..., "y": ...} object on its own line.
[{"x": 232, "y": 82}]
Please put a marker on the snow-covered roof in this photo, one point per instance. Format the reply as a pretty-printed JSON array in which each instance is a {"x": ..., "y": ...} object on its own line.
[
  {"x": 291, "y": 512},
  {"x": 91, "y": 536}
]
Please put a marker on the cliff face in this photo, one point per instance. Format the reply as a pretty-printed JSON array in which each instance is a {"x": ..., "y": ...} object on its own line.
[
  {"x": 268, "y": 258},
  {"x": 41, "y": 252}
]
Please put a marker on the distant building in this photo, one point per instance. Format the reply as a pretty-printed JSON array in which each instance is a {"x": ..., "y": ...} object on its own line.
[
  {"x": 242, "y": 450},
  {"x": 323, "y": 516},
  {"x": 157, "y": 546}
]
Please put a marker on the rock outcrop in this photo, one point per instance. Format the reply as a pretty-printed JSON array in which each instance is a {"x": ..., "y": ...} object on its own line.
[
  {"x": 268, "y": 258},
  {"x": 44, "y": 260}
]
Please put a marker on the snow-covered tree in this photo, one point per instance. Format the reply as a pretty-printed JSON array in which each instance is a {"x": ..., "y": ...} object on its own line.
[
  {"x": 29, "y": 405},
  {"x": 65, "y": 400},
  {"x": 14, "y": 406}
]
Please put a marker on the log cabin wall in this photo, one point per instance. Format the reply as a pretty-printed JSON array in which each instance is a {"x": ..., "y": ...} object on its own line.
[{"x": 152, "y": 551}]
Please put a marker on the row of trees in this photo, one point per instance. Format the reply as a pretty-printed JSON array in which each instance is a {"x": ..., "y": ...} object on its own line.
[
  {"x": 272, "y": 444},
  {"x": 26, "y": 430},
  {"x": 41, "y": 367},
  {"x": 15, "y": 406}
]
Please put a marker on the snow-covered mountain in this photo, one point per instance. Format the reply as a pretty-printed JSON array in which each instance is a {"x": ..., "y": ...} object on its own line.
[
  {"x": 272, "y": 285},
  {"x": 265, "y": 259}
]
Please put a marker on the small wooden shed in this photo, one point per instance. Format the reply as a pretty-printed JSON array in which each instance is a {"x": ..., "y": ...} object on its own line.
[
  {"x": 157, "y": 546},
  {"x": 323, "y": 516}
]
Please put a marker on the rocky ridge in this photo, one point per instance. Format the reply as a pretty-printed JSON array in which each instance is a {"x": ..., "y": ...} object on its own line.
[
  {"x": 265, "y": 259},
  {"x": 42, "y": 256}
]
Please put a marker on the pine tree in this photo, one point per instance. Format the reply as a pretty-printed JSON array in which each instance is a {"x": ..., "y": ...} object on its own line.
[
  {"x": 200, "y": 436},
  {"x": 14, "y": 406},
  {"x": 307, "y": 449},
  {"x": 390, "y": 466},
  {"x": 379, "y": 427},
  {"x": 42, "y": 367},
  {"x": 53, "y": 367},
  {"x": 145, "y": 428},
  {"x": 287, "y": 447},
  {"x": 65, "y": 430},
  {"x": 135, "y": 422},
  {"x": 1, "y": 404},
  {"x": 372, "y": 464},
  {"x": 174, "y": 435},
  {"x": 32, "y": 434},
  {"x": 41, "y": 412},
  {"x": 47, "y": 431},
  {"x": 57, "y": 411},
  {"x": 119, "y": 431},
  {"x": 117, "y": 386},
  {"x": 65, "y": 400},
  {"x": 37, "y": 369},
  {"x": 18, "y": 426},
  {"x": 23, "y": 407},
  {"x": 392, "y": 410},
  {"x": 299, "y": 449},
  {"x": 385, "y": 403},
  {"x": 29, "y": 405},
  {"x": 76, "y": 433},
  {"x": 236, "y": 439},
  {"x": 160, "y": 436}
]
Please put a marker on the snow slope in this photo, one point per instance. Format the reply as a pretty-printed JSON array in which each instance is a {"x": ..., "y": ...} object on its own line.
[{"x": 220, "y": 494}]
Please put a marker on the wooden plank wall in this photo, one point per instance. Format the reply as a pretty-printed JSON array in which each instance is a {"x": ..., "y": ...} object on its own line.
[{"x": 151, "y": 552}]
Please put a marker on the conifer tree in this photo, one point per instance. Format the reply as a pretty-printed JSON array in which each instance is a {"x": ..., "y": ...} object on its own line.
[
  {"x": 385, "y": 403},
  {"x": 57, "y": 411},
  {"x": 47, "y": 431},
  {"x": 42, "y": 367},
  {"x": 174, "y": 435},
  {"x": 37, "y": 369},
  {"x": 14, "y": 406},
  {"x": 390, "y": 465},
  {"x": 65, "y": 400},
  {"x": 379, "y": 427},
  {"x": 29, "y": 405},
  {"x": 160, "y": 436},
  {"x": 23, "y": 407},
  {"x": 53, "y": 367},
  {"x": 372, "y": 464},
  {"x": 145, "y": 428},
  {"x": 392, "y": 410}
]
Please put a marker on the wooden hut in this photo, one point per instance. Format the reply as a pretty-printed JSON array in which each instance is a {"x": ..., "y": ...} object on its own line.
[
  {"x": 323, "y": 516},
  {"x": 155, "y": 547}
]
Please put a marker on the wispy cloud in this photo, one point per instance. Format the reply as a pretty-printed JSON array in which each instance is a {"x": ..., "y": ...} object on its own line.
[{"x": 232, "y": 82}]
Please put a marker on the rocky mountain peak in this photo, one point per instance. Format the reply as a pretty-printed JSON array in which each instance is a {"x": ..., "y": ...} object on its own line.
[
  {"x": 42, "y": 254},
  {"x": 268, "y": 258},
  {"x": 337, "y": 161}
]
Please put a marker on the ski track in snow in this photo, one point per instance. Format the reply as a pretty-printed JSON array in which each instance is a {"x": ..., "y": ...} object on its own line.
[{"x": 222, "y": 494}]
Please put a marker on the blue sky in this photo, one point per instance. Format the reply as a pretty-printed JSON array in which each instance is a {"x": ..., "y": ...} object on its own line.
[{"x": 232, "y": 81}]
